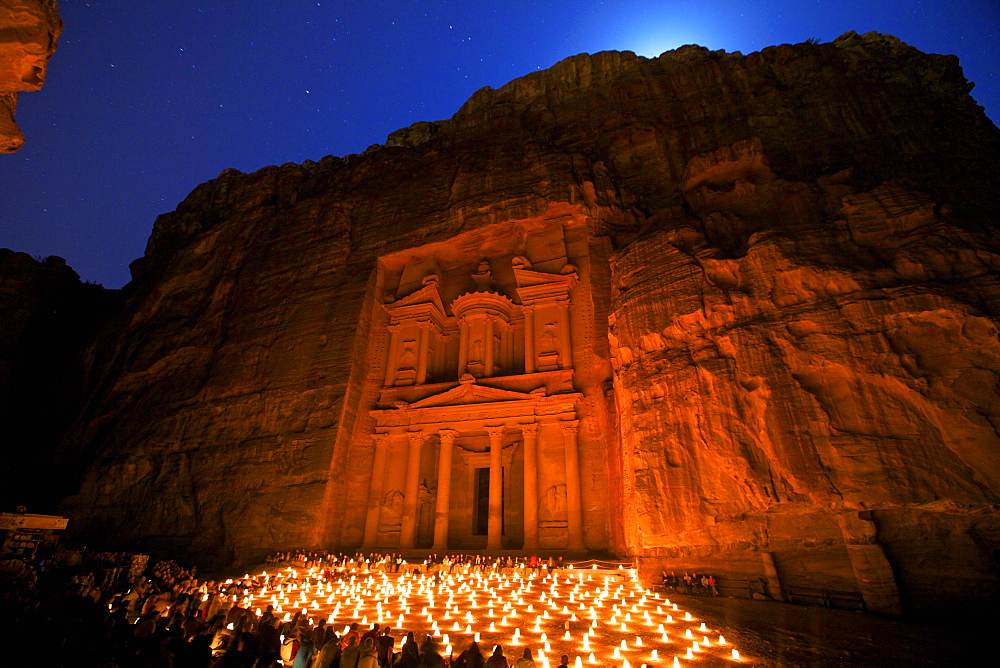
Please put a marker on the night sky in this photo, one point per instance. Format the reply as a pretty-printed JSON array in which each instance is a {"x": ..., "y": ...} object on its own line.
[{"x": 145, "y": 100}]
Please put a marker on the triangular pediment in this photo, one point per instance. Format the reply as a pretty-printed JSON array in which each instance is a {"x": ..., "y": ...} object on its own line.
[
  {"x": 471, "y": 393},
  {"x": 529, "y": 277},
  {"x": 426, "y": 295}
]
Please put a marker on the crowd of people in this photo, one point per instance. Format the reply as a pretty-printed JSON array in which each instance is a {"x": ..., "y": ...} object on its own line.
[
  {"x": 690, "y": 583},
  {"x": 93, "y": 609},
  {"x": 395, "y": 563}
]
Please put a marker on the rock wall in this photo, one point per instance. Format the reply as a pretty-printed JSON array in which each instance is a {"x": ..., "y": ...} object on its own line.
[
  {"x": 29, "y": 30},
  {"x": 795, "y": 253},
  {"x": 48, "y": 319}
]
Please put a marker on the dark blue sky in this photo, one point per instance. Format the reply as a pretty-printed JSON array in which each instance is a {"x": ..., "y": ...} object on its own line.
[{"x": 145, "y": 100}]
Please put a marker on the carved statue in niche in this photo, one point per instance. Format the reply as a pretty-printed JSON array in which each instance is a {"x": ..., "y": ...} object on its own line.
[
  {"x": 549, "y": 338},
  {"x": 392, "y": 511},
  {"x": 552, "y": 506},
  {"x": 483, "y": 277},
  {"x": 408, "y": 358},
  {"x": 476, "y": 353}
]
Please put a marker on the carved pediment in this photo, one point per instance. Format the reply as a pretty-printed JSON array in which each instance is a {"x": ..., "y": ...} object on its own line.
[
  {"x": 529, "y": 277},
  {"x": 535, "y": 286},
  {"x": 427, "y": 295},
  {"x": 471, "y": 393}
]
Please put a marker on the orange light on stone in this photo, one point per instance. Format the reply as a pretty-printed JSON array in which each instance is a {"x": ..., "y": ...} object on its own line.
[
  {"x": 677, "y": 663},
  {"x": 591, "y": 658},
  {"x": 722, "y": 640},
  {"x": 653, "y": 656},
  {"x": 736, "y": 655}
]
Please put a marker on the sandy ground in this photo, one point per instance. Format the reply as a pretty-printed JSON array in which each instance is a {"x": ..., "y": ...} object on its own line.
[{"x": 780, "y": 634}]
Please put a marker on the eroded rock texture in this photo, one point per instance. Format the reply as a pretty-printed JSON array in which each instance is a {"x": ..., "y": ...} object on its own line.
[
  {"x": 29, "y": 30},
  {"x": 795, "y": 251}
]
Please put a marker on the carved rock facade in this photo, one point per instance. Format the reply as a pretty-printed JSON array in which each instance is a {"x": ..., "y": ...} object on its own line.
[{"x": 718, "y": 312}]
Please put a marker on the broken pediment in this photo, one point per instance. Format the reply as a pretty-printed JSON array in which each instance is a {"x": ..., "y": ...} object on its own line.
[
  {"x": 427, "y": 296},
  {"x": 535, "y": 286}
]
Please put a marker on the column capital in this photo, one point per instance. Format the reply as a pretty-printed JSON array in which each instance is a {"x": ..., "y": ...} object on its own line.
[
  {"x": 395, "y": 327},
  {"x": 381, "y": 439},
  {"x": 529, "y": 429},
  {"x": 496, "y": 431},
  {"x": 447, "y": 436},
  {"x": 416, "y": 437},
  {"x": 528, "y": 308},
  {"x": 570, "y": 426}
]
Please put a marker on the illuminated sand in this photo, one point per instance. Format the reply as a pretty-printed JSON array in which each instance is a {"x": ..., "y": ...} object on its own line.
[{"x": 595, "y": 617}]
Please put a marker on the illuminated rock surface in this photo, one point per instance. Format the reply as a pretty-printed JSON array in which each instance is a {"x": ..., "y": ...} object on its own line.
[
  {"x": 778, "y": 356},
  {"x": 29, "y": 30}
]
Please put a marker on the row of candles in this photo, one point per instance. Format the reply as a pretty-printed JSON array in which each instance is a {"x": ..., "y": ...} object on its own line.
[{"x": 610, "y": 614}]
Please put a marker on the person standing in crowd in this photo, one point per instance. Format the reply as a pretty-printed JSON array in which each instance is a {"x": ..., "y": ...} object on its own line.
[
  {"x": 409, "y": 655},
  {"x": 472, "y": 657},
  {"x": 497, "y": 659},
  {"x": 384, "y": 644},
  {"x": 369, "y": 656},
  {"x": 351, "y": 653},
  {"x": 525, "y": 661},
  {"x": 429, "y": 655}
]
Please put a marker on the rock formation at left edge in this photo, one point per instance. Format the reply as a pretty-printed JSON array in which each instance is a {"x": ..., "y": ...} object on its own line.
[
  {"x": 48, "y": 320},
  {"x": 29, "y": 30}
]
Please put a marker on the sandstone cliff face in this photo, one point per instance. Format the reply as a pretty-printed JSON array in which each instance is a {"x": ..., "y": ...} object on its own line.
[
  {"x": 48, "y": 317},
  {"x": 789, "y": 264},
  {"x": 29, "y": 30}
]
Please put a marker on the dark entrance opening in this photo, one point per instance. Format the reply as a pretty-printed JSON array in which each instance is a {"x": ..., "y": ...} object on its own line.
[{"x": 481, "y": 503}]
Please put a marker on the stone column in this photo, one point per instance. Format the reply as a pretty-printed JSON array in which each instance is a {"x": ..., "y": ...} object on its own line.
[
  {"x": 408, "y": 528},
  {"x": 508, "y": 349},
  {"x": 574, "y": 499},
  {"x": 422, "y": 345},
  {"x": 565, "y": 342},
  {"x": 463, "y": 346},
  {"x": 441, "y": 508},
  {"x": 488, "y": 349},
  {"x": 375, "y": 490},
  {"x": 529, "y": 338},
  {"x": 494, "y": 528},
  {"x": 530, "y": 432},
  {"x": 393, "y": 358}
]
